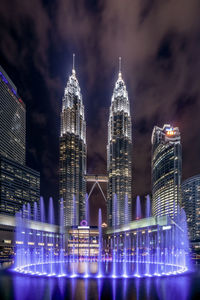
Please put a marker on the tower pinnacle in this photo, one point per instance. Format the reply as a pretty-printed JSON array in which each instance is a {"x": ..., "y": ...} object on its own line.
[
  {"x": 120, "y": 65},
  {"x": 73, "y": 65}
]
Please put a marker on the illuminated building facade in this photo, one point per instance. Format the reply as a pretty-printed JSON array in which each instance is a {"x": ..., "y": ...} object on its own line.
[
  {"x": 72, "y": 163},
  {"x": 166, "y": 170},
  {"x": 9, "y": 239},
  {"x": 79, "y": 240},
  {"x": 19, "y": 184},
  {"x": 12, "y": 120},
  {"x": 83, "y": 241},
  {"x": 119, "y": 156},
  {"x": 139, "y": 230},
  {"x": 191, "y": 205}
]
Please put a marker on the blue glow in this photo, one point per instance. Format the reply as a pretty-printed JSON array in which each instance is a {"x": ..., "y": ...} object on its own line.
[{"x": 137, "y": 259}]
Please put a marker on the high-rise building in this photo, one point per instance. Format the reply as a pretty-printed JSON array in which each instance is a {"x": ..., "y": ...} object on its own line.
[
  {"x": 191, "y": 205},
  {"x": 12, "y": 120},
  {"x": 119, "y": 146},
  {"x": 166, "y": 170},
  {"x": 72, "y": 164},
  {"x": 19, "y": 184}
]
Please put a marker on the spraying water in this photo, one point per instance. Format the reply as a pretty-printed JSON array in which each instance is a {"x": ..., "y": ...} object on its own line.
[
  {"x": 151, "y": 250},
  {"x": 100, "y": 244},
  {"x": 148, "y": 206},
  {"x": 138, "y": 208}
]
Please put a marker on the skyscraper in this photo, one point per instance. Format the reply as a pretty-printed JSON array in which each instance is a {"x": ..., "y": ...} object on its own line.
[
  {"x": 166, "y": 170},
  {"x": 12, "y": 120},
  {"x": 191, "y": 205},
  {"x": 72, "y": 164},
  {"x": 119, "y": 156},
  {"x": 19, "y": 184}
]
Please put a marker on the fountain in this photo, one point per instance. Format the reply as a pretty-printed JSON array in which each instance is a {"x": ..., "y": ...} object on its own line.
[
  {"x": 153, "y": 247},
  {"x": 87, "y": 212},
  {"x": 148, "y": 207},
  {"x": 52, "y": 239},
  {"x": 148, "y": 213},
  {"x": 138, "y": 208},
  {"x": 61, "y": 256},
  {"x": 100, "y": 244}
]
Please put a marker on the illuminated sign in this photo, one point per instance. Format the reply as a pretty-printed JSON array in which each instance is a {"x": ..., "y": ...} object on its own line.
[
  {"x": 83, "y": 223},
  {"x": 170, "y": 131},
  {"x": 166, "y": 227},
  {"x": 7, "y": 241}
]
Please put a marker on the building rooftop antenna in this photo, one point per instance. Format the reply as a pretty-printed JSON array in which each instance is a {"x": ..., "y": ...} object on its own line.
[
  {"x": 120, "y": 66},
  {"x": 73, "y": 64}
]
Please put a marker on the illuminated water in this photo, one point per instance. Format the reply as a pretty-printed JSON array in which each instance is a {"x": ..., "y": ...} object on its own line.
[
  {"x": 22, "y": 287},
  {"x": 160, "y": 252},
  {"x": 149, "y": 266},
  {"x": 83, "y": 269}
]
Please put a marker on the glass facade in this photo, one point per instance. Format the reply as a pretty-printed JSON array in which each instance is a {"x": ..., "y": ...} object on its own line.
[
  {"x": 12, "y": 121},
  {"x": 166, "y": 170},
  {"x": 83, "y": 241},
  {"x": 18, "y": 185},
  {"x": 119, "y": 157},
  {"x": 191, "y": 205},
  {"x": 72, "y": 162}
]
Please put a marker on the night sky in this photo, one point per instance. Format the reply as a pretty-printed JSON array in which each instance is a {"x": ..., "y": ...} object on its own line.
[{"x": 159, "y": 42}]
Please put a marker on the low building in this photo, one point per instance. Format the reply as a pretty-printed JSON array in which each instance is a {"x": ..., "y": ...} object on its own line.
[
  {"x": 19, "y": 185},
  {"x": 145, "y": 233},
  {"x": 9, "y": 237},
  {"x": 83, "y": 241},
  {"x": 79, "y": 242}
]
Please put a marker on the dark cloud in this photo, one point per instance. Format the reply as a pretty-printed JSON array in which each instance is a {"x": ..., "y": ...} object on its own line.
[
  {"x": 159, "y": 42},
  {"x": 39, "y": 118}
]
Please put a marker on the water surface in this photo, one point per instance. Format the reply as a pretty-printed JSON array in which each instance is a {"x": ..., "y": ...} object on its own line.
[{"x": 22, "y": 287}]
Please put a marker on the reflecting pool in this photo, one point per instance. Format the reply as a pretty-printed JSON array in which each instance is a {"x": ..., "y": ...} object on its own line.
[{"x": 21, "y": 287}]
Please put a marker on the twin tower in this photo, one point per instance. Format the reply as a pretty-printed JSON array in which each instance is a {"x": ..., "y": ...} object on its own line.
[{"x": 73, "y": 152}]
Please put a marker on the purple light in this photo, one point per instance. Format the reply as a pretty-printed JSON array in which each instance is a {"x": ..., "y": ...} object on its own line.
[
  {"x": 4, "y": 78},
  {"x": 83, "y": 223},
  {"x": 14, "y": 91},
  {"x": 136, "y": 259}
]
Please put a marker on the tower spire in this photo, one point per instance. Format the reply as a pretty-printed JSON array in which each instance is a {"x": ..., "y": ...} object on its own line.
[
  {"x": 120, "y": 66},
  {"x": 73, "y": 65}
]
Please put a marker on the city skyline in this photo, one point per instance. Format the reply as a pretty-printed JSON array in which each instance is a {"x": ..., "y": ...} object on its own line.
[
  {"x": 133, "y": 203},
  {"x": 162, "y": 80},
  {"x": 99, "y": 149}
]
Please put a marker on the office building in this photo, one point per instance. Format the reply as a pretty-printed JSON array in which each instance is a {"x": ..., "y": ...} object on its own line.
[
  {"x": 19, "y": 184},
  {"x": 72, "y": 162},
  {"x": 191, "y": 205},
  {"x": 166, "y": 170},
  {"x": 119, "y": 156},
  {"x": 12, "y": 121}
]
